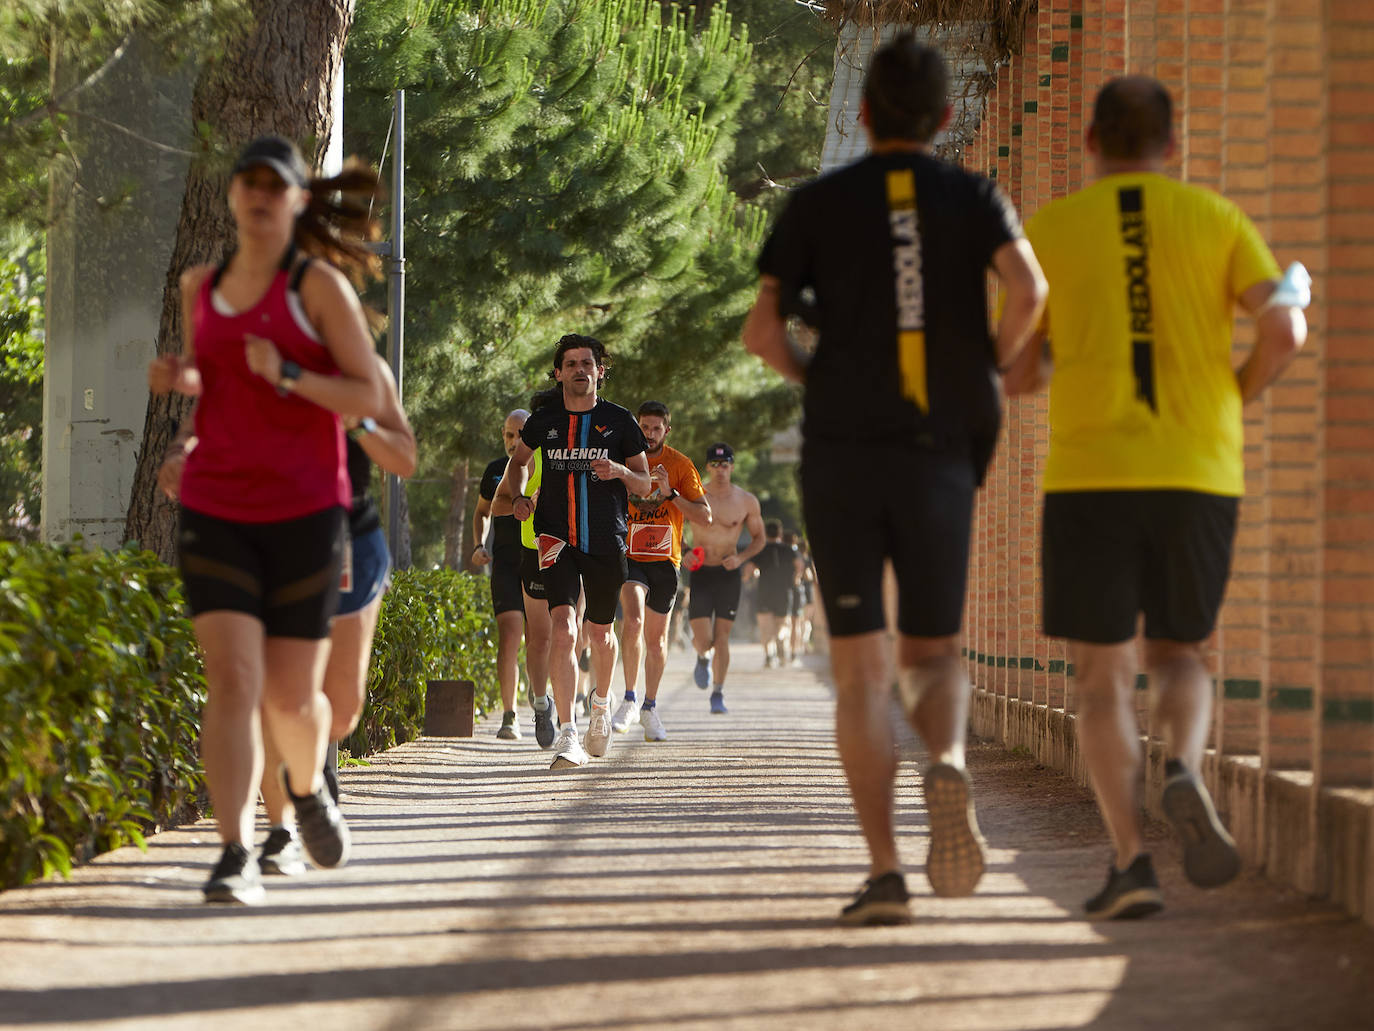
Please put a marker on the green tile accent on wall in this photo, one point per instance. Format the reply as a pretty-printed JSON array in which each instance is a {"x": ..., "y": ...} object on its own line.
[
  {"x": 1056, "y": 665},
  {"x": 1249, "y": 690},
  {"x": 1044, "y": 80},
  {"x": 1059, "y": 52},
  {"x": 1003, "y": 151},
  {"x": 1075, "y": 21},
  {"x": 1291, "y": 698},
  {"x": 1016, "y": 129},
  {"x": 1349, "y": 710},
  {"x": 1032, "y": 107}
]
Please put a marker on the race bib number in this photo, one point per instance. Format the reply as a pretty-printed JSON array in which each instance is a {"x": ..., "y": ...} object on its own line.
[
  {"x": 549, "y": 549},
  {"x": 651, "y": 541}
]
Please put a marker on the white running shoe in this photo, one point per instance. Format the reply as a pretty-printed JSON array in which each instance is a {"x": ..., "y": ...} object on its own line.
[
  {"x": 626, "y": 714},
  {"x": 567, "y": 749},
  {"x": 653, "y": 726},
  {"x": 599, "y": 728}
]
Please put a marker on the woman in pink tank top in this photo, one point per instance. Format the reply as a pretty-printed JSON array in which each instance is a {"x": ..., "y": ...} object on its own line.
[{"x": 277, "y": 349}]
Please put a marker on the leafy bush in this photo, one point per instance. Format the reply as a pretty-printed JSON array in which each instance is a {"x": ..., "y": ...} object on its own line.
[
  {"x": 435, "y": 624},
  {"x": 100, "y": 697},
  {"x": 102, "y": 686}
]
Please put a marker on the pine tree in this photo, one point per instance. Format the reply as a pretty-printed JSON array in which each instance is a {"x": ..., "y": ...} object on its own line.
[{"x": 566, "y": 160}]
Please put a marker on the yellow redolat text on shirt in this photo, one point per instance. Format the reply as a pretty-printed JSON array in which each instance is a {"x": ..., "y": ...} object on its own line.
[{"x": 911, "y": 302}]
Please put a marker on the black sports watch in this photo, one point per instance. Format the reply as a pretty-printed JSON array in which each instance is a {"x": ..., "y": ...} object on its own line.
[
  {"x": 674, "y": 495},
  {"x": 286, "y": 379}
]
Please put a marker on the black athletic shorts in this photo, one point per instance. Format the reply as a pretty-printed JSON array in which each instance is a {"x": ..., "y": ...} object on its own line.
[
  {"x": 575, "y": 572},
  {"x": 915, "y": 508},
  {"x": 531, "y": 580},
  {"x": 715, "y": 592},
  {"x": 286, "y": 574},
  {"x": 775, "y": 602},
  {"x": 1107, "y": 556},
  {"x": 505, "y": 583},
  {"x": 661, "y": 580}
]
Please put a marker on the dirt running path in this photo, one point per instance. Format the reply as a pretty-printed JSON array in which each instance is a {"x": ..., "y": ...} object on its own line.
[{"x": 687, "y": 884}]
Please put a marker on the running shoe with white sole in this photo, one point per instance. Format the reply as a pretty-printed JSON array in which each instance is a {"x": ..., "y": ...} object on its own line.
[
  {"x": 1128, "y": 894},
  {"x": 701, "y": 674},
  {"x": 567, "y": 749},
  {"x": 625, "y": 714},
  {"x": 509, "y": 731},
  {"x": 599, "y": 728},
  {"x": 281, "y": 854},
  {"x": 1209, "y": 853},
  {"x": 235, "y": 878},
  {"x": 545, "y": 724},
  {"x": 718, "y": 703},
  {"x": 653, "y": 726},
  {"x": 882, "y": 901},
  {"x": 955, "y": 863},
  {"x": 321, "y": 826}
]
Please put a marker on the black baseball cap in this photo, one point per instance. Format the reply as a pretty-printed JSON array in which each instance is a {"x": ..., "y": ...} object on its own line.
[
  {"x": 720, "y": 453},
  {"x": 277, "y": 153}
]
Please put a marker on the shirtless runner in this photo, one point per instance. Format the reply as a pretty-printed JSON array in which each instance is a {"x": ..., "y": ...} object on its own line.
[{"x": 716, "y": 583}]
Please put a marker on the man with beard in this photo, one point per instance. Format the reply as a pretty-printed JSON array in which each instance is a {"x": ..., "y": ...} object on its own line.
[
  {"x": 593, "y": 451},
  {"x": 655, "y": 552}
]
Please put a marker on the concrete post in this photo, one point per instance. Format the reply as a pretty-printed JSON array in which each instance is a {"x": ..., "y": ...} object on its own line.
[{"x": 115, "y": 218}]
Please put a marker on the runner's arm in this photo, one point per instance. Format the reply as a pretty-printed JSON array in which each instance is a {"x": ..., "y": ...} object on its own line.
[
  {"x": 391, "y": 442},
  {"x": 697, "y": 512},
  {"x": 753, "y": 522},
  {"x": 178, "y": 372},
  {"x": 512, "y": 486},
  {"x": 1280, "y": 332},
  {"x": 1030, "y": 370},
  {"x": 765, "y": 334},
  {"x": 1026, "y": 290},
  {"x": 635, "y": 473}
]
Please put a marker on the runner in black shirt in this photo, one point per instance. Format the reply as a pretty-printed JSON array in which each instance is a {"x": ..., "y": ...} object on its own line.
[
  {"x": 507, "y": 600},
  {"x": 887, "y": 259},
  {"x": 777, "y": 568},
  {"x": 592, "y": 450}
]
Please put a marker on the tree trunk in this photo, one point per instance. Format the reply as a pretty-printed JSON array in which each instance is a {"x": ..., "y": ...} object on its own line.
[
  {"x": 456, "y": 554},
  {"x": 277, "y": 78}
]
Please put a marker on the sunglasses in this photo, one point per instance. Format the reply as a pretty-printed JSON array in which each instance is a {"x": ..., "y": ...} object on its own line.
[{"x": 719, "y": 462}]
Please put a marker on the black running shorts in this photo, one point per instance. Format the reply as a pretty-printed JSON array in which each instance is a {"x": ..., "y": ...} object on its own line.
[
  {"x": 598, "y": 576},
  {"x": 505, "y": 584},
  {"x": 715, "y": 592},
  {"x": 286, "y": 574},
  {"x": 531, "y": 580},
  {"x": 660, "y": 580},
  {"x": 1108, "y": 556},
  {"x": 775, "y": 602},
  {"x": 864, "y": 505}
]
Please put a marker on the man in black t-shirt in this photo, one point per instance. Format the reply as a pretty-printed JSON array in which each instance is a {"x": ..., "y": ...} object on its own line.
[
  {"x": 886, "y": 259},
  {"x": 592, "y": 451},
  {"x": 777, "y": 572},
  {"x": 503, "y": 555}
]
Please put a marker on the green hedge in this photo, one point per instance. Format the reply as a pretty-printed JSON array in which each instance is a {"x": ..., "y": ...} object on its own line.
[
  {"x": 100, "y": 697},
  {"x": 101, "y": 689},
  {"x": 435, "y": 625}
]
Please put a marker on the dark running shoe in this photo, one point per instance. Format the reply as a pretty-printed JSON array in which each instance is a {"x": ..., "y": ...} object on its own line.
[
  {"x": 323, "y": 829},
  {"x": 1129, "y": 894},
  {"x": 545, "y": 725},
  {"x": 281, "y": 854},
  {"x": 882, "y": 900},
  {"x": 955, "y": 863},
  {"x": 1209, "y": 854},
  {"x": 701, "y": 675},
  {"x": 235, "y": 878},
  {"x": 718, "y": 703}
]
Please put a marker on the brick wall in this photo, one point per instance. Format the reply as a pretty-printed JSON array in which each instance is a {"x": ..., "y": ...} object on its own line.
[{"x": 1275, "y": 103}]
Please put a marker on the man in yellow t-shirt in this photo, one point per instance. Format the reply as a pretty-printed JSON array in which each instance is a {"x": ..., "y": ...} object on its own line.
[
  {"x": 655, "y": 553},
  {"x": 1145, "y": 472}
]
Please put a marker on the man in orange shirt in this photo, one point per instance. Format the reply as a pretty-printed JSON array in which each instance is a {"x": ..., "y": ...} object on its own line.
[{"x": 655, "y": 552}]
